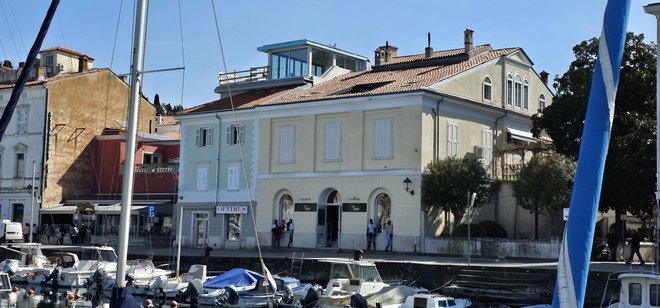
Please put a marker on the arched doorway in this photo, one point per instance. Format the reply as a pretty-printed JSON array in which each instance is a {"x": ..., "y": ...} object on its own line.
[{"x": 328, "y": 218}]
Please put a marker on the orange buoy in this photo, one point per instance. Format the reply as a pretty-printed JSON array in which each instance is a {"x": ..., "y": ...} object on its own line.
[
  {"x": 70, "y": 297},
  {"x": 174, "y": 304},
  {"x": 30, "y": 292},
  {"x": 77, "y": 296},
  {"x": 15, "y": 289},
  {"x": 148, "y": 303}
]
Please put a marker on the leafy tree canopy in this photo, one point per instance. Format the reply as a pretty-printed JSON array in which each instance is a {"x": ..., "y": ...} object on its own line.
[
  {"x": 545, "y": 182},
  {"x": 166, "y": 109},
  {"x": 629, "y": 180},
  {"x": 446, "y": 183}
]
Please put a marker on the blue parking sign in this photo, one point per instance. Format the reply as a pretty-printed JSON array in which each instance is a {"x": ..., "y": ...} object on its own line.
[{"x": 152, "y": 211}]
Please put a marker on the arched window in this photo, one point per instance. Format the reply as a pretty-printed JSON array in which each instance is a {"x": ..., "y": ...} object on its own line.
[
  {"x": 525, "y": 94},
  {"x": 286, "y": 208},
  {"x": 487, "y": 89},
  {"x": 509, "y": 90},
  {"x": 383, "y": 211},
  {"x": 541, "y": 103},
  {"x": 517, "y": 92}
]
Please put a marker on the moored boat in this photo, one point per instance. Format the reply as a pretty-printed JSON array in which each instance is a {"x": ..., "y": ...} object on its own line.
[{"x": 639, "y": 289}]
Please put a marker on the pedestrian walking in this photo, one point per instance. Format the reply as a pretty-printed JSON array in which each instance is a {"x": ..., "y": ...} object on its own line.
[
  {"x": 59, "y": 234},
  {"x": 390, "y": 235},
  {"x": 35, "y": 233},
  {"x": 277, "y": 234},
  {"x": 26, "y": 232},
  {"x": 371, "y": 234},
  {"x": 612, "y": 242},
  {"x": 82, "y": 236},
  {"x": 635, "y": 241},
  {"x": 290, "y": 227},
  {"x": 73, "y": 234},
  {"x": 273, "y": 230},
  {"x": 49, "y": 232}
]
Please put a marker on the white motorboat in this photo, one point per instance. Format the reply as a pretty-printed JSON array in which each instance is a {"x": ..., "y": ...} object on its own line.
[
  {"x": 351, "y": 277},
  {"x": 23, "y": 259},
  {"x": 161, "y": 286},
  {"x": 638, "y": 289},
  {"x": 426, "y": 300}
]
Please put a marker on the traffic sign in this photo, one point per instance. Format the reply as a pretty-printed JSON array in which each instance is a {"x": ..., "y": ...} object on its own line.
[{"x": 152, "y": 211}]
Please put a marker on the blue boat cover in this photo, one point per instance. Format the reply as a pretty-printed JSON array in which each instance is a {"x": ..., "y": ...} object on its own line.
[{"x": 238, "y": 277}]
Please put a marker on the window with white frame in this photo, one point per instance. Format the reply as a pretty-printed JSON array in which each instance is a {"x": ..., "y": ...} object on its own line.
[
  {"x": 235, "y": 134},
  {"x": 517, "y": 100},
  {"x": 233, "y": 224},
  {"x": 487, "y": 146},
  {"x": 202, "y": 177},
  {"x": 525, "y": 95},
  {"x": 287, "y": 144},
  {"x": 49, "y": 60},
  {"x": 22, "y": 120},
  {"x": 20, "y": 165},
  {"x": 488, "y": 89},
  {"x": 452, "y": 139},
  {"x": 204, "y": 137},
  {"x": 333, "y": 141},
  {"x": 383, "y": 138},
  {"x": 509, "y": 90},
  {"x": 541, "y": 103},
  {"x": 151, "y": 158},
  {"x": 233, "y": 176}
]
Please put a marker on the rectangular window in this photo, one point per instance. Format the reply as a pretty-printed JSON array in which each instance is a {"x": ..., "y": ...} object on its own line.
[
  {"x": 22, "y": 121},
  {"x": 204, "y": 137},
  {"x": 452, "y": 139},
  {"x": 509, "y": 92},
  {"x": 233, "y": 226},
  {"x": 487, "y": 145},
  {"x": 383, "y": 138},
  {"x": 654, "y": 295},
  {"x": 151, "y": 158},
  {"x": 333, "y": 141},
  {"x": 232, "y": 177},
  {"x": 525, "y": 95},
  {"x": 287, "y": 144},
  {"x": 518, "y": 94},
  {"x": 49, "y": 60},
  {"x": 487, "y": 92},
  {"x": 635, "y": 294},
  {"x": 202, "y": 177},
  {"x": 20, "y": 165},
  {"x": 235, "y": 134}
]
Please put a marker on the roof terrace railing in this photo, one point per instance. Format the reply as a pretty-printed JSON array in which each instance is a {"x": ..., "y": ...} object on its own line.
[{"x": 254, "y": 74}]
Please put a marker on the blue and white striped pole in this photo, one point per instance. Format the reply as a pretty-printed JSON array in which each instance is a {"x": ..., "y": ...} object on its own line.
[{"x": 573, "y": 265}]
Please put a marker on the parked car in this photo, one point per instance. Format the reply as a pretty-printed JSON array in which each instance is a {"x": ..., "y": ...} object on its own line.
[{"x": 10, "y": 231}]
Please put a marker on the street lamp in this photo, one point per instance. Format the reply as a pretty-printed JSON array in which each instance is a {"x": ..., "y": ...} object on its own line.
[{"x": 407, "y": 185}]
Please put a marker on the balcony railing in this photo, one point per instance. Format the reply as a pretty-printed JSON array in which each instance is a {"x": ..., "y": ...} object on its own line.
[
  {"x": 510, "y": 172},
  {"x": 156, "y": 168},
  {"x": 254, "y": 74}
]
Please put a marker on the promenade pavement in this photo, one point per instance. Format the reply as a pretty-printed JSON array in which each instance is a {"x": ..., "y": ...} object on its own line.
[{"x": 376, "y": 256}]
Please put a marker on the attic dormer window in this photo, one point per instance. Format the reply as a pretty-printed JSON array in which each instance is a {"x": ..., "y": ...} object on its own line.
[
  {"x": 363, "y": 87},
  {"x": 487, "y": 89}
]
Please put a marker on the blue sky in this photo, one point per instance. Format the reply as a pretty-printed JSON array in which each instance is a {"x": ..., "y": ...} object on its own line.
[{"x": 546, "y": 30}]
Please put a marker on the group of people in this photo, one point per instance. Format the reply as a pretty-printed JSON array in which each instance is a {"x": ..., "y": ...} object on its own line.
[
  {"x": 278, "y": 231},
  {"x": 371, "y": 235},
  {"x": 635, "y": 241},
  {"x": 56, "y": 233}
]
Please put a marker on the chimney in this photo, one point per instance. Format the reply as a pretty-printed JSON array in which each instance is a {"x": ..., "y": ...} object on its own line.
[
  {"x": 544, "y": 77},
  {"x": 468, "y": 39},
  {"x": 428, "y": 51},
  {"x": 21, "y": 64},
  {"x": 83, "y": 63},
  {"x": 384, "y": 54}
]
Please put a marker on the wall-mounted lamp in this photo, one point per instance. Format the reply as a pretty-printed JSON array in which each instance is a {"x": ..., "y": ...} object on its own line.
[{"x": 407, "y": 185}]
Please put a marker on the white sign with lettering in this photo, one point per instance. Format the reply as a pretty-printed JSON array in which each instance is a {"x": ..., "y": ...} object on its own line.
[
  {"x": 566, "y": 210},
  {"x": 231, "y": 209}
]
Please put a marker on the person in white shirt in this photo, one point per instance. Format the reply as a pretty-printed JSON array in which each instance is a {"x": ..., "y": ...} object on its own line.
[
  {"x": 371, "y": 234},
  {"x": 290, "y": 228}
]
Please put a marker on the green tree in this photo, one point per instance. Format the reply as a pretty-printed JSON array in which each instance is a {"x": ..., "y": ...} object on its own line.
[
  {"x": 544, "y": 185},
  {"x": 159, "y": 108},
  {"x": 447, "y": 182},
  {"x": 629, "y": 180}
]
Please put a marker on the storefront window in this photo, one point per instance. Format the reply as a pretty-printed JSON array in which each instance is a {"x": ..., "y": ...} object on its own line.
[
  {"x": 233, "y": 226},
  {"x": 383, "y": 211},
  {"x": 286, "y": 208}
]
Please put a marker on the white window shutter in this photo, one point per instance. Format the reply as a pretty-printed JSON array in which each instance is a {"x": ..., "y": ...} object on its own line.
[
  {"x": 209, "y": 136},
  {"x": 197, "y": 137},
  {"x": 241, "y": 134},
  {"x": 229, "y": 136},
  {"x": 287, "y": 143},
  {"x": 333, "y": 141},
  {"x": 232, "y": 181},
  {"x": 383, "y": 138},
  {"x": 202, "y": 173}
]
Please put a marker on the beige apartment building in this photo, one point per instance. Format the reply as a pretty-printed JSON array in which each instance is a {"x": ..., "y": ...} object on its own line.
[{"x": 334, "y": 154}]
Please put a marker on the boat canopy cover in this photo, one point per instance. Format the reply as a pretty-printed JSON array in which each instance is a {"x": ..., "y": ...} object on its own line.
[{"x": 238, "y": 277}]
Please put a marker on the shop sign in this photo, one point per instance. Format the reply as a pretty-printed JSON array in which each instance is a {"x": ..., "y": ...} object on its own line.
[
  {"x": 231, "y": 209},
  {"x": 354, "y": 207},
  {"x": 305, "y": 207}
]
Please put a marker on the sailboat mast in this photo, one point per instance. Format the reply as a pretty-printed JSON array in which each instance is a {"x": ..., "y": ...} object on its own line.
[{"x": 129, "y": 162}]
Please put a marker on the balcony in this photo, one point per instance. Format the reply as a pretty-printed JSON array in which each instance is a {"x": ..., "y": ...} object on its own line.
[
  {"x": 510, "y": 172},
  {"x": 254, "y": 74},
  {"x": 156, "y": 168}
]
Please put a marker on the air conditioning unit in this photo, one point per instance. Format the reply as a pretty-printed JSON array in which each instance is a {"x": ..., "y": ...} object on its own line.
[{"x": 479, "y": 151}]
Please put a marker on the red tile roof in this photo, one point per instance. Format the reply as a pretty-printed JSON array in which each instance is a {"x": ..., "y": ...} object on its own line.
[
  {"x": 398, "y": 79},
  {"x": 248, "y": 99},
  {"x": 56, "y": 78},
  {"x": 436, "y": 55},
  {"x": 66, "y": 50}
]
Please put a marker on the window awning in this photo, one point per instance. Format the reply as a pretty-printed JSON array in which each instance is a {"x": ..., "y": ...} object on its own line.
[
  {"x": 115, "y": 209},
  {"x": 59, "y": 209},
  {"x": 521, "y": 134}
]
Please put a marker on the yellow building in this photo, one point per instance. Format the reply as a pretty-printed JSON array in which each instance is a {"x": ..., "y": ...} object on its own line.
[{"x": 335, "y": 155}]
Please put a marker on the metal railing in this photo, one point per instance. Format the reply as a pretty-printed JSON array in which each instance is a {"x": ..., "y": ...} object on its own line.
[
  {"x": 510, "y": 172},
  {"x": 253, "y": 74},
  {"x": 156, "y": 168}
]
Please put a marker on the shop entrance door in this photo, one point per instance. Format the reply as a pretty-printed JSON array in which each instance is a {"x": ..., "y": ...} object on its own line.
[
  {"x": 201, "y": 226},
  {"x": 327, "y": 226}
]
